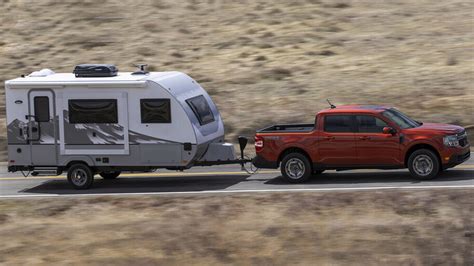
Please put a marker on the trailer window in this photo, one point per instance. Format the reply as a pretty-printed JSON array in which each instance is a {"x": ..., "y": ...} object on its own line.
[
  {"x": 93, "y": 111},
  {"x": 338, "y": 123},
  {"x": 41, "y": 109},
  {"x": 201, "y": 109},
  {"x": 155, "y": 110}
]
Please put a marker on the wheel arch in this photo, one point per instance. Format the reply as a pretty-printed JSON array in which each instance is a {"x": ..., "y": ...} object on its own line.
[
  {"x": 291, "y": 150},
  {"x": 78, "y": 159},
  {"x": 73, "y": 162},
  {"x": 421, "y": 146}
]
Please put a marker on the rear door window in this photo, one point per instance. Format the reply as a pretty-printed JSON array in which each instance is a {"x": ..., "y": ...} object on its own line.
[
  {"x": 370, "y": 124},
  {"x": 338, "y": 123}
]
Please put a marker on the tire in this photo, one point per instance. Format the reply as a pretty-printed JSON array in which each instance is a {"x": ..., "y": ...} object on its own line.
[
  {"x": 423, "y": 164},
  {"x": 295, "y": 168},
  {"x": 80, "y": 176},
  {"x": 109, "y": 175}
]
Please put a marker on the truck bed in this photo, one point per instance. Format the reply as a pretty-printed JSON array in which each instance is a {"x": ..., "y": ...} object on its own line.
[{"x": 287, "y": 128}]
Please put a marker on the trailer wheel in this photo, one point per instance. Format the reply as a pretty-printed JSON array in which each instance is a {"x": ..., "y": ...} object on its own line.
[
  {"x": 109, "y": 175},
  {"x": 423, "y": 164},
  {"x": 295, "y": 168},
  {"x": 80, "y": 176}
]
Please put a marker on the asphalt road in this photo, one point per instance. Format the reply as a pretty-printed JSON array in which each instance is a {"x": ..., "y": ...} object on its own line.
[{"x": 229, "y": 179}]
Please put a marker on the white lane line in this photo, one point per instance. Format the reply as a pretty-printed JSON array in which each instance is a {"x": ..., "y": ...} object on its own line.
[{"x": 238, "y": 191}]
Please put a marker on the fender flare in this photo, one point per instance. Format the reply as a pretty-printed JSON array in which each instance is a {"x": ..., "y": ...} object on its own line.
[
  {"x": 421, "y": 142},
  {"x": 80, "y": 158}
]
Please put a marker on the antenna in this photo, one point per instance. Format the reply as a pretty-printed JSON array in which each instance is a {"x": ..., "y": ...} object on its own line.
[
  {"x": 330, "y": 104},
  {"x": 142, "y": 70}
]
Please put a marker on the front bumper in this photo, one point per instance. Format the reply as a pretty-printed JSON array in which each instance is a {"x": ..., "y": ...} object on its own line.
[{"x": 457, "y": 159}]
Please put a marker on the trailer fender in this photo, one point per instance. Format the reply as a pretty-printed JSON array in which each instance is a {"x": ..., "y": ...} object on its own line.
[{"x": 84, "y": 159}]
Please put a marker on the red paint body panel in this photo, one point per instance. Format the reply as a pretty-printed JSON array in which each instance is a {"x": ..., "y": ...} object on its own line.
[{"x": 359, "y": 150}]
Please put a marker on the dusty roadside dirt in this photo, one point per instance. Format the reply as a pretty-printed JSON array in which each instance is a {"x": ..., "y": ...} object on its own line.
[
  {"x": 422, "y": 227},
  {"x": 262, "y": 61}
]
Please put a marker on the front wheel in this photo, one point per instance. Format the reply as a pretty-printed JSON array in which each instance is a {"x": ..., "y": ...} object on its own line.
[
  {"x": 423, "y": 164},
  {"x": 109, "y": 175},
  {"x": 80, "y": 176},
  {"x": 295, "y": 168}
]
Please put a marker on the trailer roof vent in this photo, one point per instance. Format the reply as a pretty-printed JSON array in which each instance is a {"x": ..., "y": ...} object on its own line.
[
  {"x": 42, "y": 73},
  {"x": 142, "y": 70},
  {"x": 95, "y": 70}
]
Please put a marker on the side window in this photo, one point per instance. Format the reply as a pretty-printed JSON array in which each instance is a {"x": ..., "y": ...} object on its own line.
[
  {"x": 201, "y": 109},
  {"x": 41, "y": 106},
  {"x": 370, "y": 124},
  {"x": 155, "y": 110},
  {"x": 93, "y": 111},
  {"x": 338, "y": 123}
]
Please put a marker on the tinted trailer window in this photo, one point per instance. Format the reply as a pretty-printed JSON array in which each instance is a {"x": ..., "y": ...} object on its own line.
[
  {"x": 201, "y": 109},
  {"x": 93, "y": 111},
  {"x": 155, "y": 110}
]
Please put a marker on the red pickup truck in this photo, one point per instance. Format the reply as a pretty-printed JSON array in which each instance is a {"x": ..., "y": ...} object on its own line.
[{"x": 361, "y": 137}]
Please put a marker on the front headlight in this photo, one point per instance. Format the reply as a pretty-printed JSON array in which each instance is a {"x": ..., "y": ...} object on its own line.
[{"x": 451, "y": 141}]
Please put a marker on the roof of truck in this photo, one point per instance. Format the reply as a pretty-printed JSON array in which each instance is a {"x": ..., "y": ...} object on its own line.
[
  {"x": 356, "y": 108},
  {"x": 71, "y": 79}
]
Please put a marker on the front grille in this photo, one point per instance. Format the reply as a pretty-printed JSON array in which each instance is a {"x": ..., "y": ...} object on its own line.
[
  {"x": 463, "y": 142},
  {"x": 462, "y": 138}
]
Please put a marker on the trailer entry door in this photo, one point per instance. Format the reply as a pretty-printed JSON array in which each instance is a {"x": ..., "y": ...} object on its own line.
[{"x": 42, "y": 130}]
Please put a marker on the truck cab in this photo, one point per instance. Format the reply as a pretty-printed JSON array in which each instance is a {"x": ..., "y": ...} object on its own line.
[{"x": 361, "y": 137}]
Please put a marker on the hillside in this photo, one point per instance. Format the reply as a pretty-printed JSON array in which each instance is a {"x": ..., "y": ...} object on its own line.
[{"x": 262, "y": 61}]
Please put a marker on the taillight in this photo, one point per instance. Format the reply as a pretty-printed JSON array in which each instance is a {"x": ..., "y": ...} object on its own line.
[{"x": 258, "y": 143}]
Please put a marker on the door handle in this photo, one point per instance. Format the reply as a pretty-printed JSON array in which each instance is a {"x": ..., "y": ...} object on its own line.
[
  {"x": 330, "y": 138},
  {"x": 364, "y": 138}
]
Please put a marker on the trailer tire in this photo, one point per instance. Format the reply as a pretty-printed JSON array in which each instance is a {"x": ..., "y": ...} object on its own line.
[
  {"x": 295, "y": 168},
  {"x": 80, "y": 176},
  {"x": 109, "y": 175}
]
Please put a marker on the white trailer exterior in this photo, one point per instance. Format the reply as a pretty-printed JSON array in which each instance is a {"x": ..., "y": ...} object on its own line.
[{"x": 125, "y": 122}]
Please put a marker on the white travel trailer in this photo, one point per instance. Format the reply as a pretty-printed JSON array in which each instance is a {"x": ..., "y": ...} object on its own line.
[{"x": 104, "y": 124}]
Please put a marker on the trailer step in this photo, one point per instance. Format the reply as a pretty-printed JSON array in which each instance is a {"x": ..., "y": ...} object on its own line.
[{"x": 45, "y": 171}]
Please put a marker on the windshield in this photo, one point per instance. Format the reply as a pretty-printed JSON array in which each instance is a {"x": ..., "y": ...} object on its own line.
[{"x": 399, "y": 118}]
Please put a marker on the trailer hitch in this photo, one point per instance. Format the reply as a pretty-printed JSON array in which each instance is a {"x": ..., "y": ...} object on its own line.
[{"x": 243, "y": 160}]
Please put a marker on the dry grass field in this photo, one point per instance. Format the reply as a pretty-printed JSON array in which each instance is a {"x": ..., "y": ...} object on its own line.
[
  {"x": 422, "y": 227},
  {"x": 262, "y": 61}
]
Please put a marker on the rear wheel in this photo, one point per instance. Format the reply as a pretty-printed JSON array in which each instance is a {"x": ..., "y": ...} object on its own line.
[
  {"x": 109, "y": 175},
  {"x": 295, "y": 168},
  {"x": 80, "y": 176},
  {"x": 423, "y": 164}
]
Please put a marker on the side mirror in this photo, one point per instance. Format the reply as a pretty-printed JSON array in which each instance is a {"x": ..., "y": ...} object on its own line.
[{"x": 389, "y": 130}]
